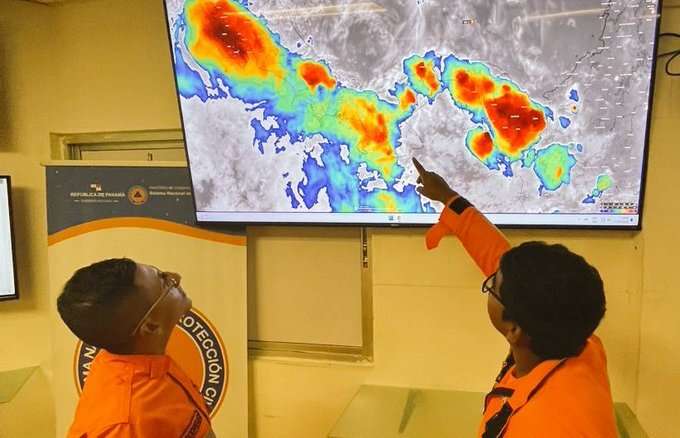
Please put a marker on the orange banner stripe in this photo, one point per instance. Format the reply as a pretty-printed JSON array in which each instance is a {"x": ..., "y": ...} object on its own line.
[{"x": 136, "y": 222}]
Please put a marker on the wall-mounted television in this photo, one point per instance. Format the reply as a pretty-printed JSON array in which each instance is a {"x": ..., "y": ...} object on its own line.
[
  {"x": 309, "y": 112},
  {"x": 8, "y": 274}
]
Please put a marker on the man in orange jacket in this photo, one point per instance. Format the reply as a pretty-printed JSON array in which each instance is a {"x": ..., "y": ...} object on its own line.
[
  {"x": 547, "y": 302},
  {"x": 134, "y": 389}
]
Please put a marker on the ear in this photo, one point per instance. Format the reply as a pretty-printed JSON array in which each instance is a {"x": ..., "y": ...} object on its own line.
[{"x": 150, "y": 328}]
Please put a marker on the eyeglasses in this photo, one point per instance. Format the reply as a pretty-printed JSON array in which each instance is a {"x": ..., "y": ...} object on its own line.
[
  {"x": 170, "y": 281},
  {"x": 489, "y": 287}
]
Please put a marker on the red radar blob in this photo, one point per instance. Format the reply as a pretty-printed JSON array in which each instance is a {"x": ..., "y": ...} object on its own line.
[
  {"x": 482, "y": 145},
  {"x": 514, "y": 120},
  {"x": 315, "y": 74},
  {"x": 473, "y": 89},
  {"x": 427, "y": 75},
  {"x": 408, "y": 98},
  {"x": 237, "y": 39}
]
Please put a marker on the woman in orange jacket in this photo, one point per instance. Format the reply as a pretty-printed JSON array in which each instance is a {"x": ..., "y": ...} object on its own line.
[{"x": 547, "y": 302}]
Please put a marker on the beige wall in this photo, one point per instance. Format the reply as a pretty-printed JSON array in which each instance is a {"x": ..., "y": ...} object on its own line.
[
  {"x": 25, "y": 98},
  {"x": 102, "y": 65},
  {"x": 113, "y": 71},
  {"x": 659, "y": 378}
]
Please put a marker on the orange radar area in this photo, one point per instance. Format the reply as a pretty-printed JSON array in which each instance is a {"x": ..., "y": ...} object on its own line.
[
  {"x": 515, "y": 122},
  {"x": 407, "y": 99},
  {"x": 315, "y": 74},
  {"x": 482, "y": 145},
  {"x": 369, "y": 126},
  {"x": 471, "y": 88},
  {"x": 222, "y": 33},
  {"x": 426, "y": 74}
]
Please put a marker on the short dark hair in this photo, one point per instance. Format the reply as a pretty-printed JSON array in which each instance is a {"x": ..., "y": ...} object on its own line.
[
  {"x": 554, "y": 295},
  {"x": 91, "y": 299}
]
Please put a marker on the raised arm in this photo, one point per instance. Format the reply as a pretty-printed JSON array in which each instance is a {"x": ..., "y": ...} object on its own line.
[{"x": 480, "y": 238}]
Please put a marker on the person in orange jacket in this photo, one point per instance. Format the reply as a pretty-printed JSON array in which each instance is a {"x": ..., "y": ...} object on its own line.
[
  {"x": 547, "y": 302},
  {"x": 133, "y": 389}
]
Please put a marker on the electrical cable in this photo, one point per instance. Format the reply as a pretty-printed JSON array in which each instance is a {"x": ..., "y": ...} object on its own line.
[{"x": 672, "y": 55}]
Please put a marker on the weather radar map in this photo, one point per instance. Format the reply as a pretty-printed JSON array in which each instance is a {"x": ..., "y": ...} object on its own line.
[{"x": 310, "y": 111}]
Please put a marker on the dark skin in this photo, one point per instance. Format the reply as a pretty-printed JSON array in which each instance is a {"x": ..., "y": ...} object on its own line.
[
  {"x": 434, "y": 187},
  {"x": 152, "y": 330},
  {"x": 150, "y": 334}
]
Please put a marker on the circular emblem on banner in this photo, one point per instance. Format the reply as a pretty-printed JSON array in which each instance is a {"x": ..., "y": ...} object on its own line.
[
  {"x": 138, "y": 195},
  {"x": 195, "y": 345}
]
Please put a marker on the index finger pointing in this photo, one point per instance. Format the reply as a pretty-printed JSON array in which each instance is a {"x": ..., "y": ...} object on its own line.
[{"x": 419, "y": 167}]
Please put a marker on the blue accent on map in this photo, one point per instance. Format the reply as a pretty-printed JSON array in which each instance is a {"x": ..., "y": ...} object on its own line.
[
  {"x": 189, "y": 83},
  {"x": 507, "y": 166},
  {"x": 339, "y": 179},
  {"x": 261, "y": 134},
  {"x": 573, "y": 95},
  {"x": 294, "y": 203},
  {"x": 549, "y": 113}
]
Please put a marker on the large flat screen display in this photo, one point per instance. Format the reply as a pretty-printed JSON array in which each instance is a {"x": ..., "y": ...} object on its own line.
[
  {"x": 8, "y": 284},
  {"x": 310, "y": 111}
]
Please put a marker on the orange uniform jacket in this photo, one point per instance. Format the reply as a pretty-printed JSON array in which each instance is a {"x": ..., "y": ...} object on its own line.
[
  {"x": 570, "y": 398},
  {"x": 139, "y": 396}
]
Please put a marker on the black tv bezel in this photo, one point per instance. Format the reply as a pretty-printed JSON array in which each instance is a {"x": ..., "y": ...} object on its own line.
[
  {"x": 15, "y": 296},
  {"x": 643, "y": 176}
]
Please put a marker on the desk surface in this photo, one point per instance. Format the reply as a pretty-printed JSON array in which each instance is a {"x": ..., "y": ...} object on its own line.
[
  {"x": 386, "y": 412},
  {"x": 11, "y": 382},
  {"x": 391, "y": 412}
]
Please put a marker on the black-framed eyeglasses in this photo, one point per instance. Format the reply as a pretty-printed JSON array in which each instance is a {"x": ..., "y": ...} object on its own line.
[{"x": 489, "y": 286}]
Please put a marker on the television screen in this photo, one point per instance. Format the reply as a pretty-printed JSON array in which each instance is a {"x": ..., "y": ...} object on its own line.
[
  {"x": 8, "y": 284},
  {"x": 310, "y": 111}
]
